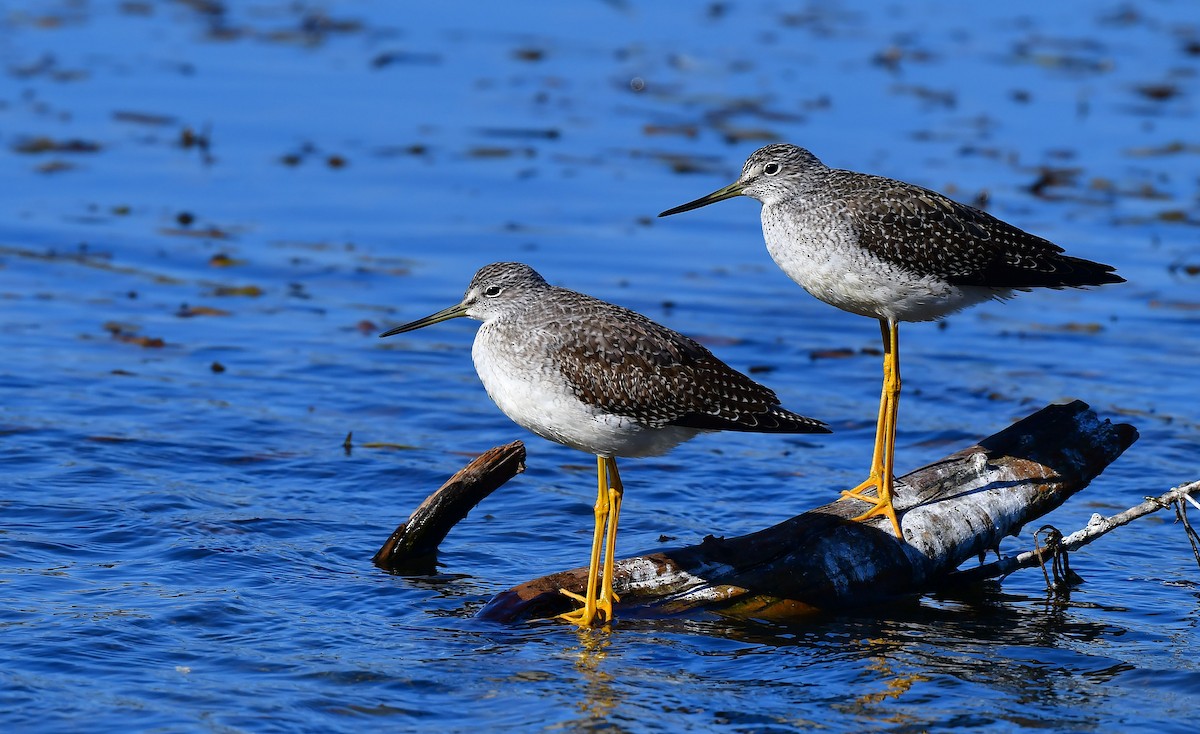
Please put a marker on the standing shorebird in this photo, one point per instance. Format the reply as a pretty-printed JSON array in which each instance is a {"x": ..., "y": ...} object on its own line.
[
  {"x": 894, "y": 252},
  {"x": 605, "y": 380}
]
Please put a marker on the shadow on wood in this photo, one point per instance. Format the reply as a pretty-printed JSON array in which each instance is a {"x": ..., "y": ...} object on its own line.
[{"x": 952, "y": 510}]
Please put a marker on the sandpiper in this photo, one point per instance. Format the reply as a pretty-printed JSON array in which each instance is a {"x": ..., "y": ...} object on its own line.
[
  {"x": 894, "y": 252},
  {"x": 606, "y": 380}
]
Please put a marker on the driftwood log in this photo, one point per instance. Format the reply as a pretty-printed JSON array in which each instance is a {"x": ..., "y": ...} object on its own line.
[{"x": 952, "y": 510}]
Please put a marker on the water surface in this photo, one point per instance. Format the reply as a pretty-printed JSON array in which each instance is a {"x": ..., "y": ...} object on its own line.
[{"x": 211, "y": 210}]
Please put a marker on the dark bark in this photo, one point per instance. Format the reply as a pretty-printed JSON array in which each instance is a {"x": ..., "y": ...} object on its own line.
[{"x": 412, "y": 547}]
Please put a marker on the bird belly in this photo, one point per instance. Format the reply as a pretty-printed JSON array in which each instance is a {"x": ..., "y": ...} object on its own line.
[
  {"x": 533, "y": 394},
  {"x": 832, "y": 268}
]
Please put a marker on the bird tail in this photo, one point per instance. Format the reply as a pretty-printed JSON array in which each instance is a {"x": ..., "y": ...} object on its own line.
[
  {"x": 1077, "y": 272},
  {"x": 776, "y": 420}
]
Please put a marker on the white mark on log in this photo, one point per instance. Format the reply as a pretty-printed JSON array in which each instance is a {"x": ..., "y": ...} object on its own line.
[
  {"x": 1097, "y": 524},
  {"x": 641, "y": 572},
  {"x": 644, "y": 573}
]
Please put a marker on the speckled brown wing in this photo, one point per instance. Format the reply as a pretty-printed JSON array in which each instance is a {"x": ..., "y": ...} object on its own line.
[
  {"x": 927, "y": 233},
  {"x": 627, "y": 365}
]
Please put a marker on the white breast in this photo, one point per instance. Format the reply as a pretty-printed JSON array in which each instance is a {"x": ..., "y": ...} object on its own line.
[
  {"x": 820, "y": 254},
  {"x": 528, "y": 387}
]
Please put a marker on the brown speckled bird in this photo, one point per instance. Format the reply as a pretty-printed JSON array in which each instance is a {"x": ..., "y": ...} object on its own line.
[
  {"x": 605, "y": 380},
  {"x": 894, "y": 252}
]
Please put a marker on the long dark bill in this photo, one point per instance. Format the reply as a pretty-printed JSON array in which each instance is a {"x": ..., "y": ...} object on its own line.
[
  {"x": 730, "y": 191},
  {"x": 444, "y": 315}
]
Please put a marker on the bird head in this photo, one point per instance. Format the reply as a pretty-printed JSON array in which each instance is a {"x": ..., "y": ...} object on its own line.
[
  {"x": 496, "y": 289},
  {"x": 771, "y": 174}
]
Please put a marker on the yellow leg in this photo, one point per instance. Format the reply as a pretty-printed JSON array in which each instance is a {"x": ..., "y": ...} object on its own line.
[
  {"x": 616, "y": 492},
  {"x": 882, "y": 475},
  {"x": 585, "y": 616},
  {"x": 875, "y": 477}
]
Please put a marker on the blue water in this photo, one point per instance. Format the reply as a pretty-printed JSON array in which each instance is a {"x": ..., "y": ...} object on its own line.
[{"x": 184, "y": 543}]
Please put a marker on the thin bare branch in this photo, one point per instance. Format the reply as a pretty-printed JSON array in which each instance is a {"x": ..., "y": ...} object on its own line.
[{"x": 1098, "y": 526}]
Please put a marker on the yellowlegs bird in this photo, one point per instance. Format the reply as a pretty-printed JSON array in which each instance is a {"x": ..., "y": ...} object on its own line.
[
  {"x": 605, "y": 380},
  {"x": 894, "y": 252}
]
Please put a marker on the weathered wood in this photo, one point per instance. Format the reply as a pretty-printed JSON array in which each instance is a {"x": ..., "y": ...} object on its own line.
[
  {"x": 952, "y": 510},
  {"x": 412, "y": 546}
]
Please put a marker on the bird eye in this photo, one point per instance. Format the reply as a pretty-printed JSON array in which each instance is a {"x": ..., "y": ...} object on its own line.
[
  {"x": 492, "y": 291},
  {"x": 772, "y": 168}
]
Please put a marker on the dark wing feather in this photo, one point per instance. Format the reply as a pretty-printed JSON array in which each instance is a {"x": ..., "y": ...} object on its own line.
[
  {"x": 925, "y": 232},
  {"x": 628, "y": 365}
]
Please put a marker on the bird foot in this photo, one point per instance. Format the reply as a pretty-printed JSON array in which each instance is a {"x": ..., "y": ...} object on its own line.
[
  {"x": 859, "y": 492},
  {"x": 880, "y": 500},
  {"x": 593, "y": 613},
  {"x": 582, "y": 617},
  {"x": 884, "y": 508},
  {"x": 583, "y": 599},
  {"x": 572, "y": 595}
]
